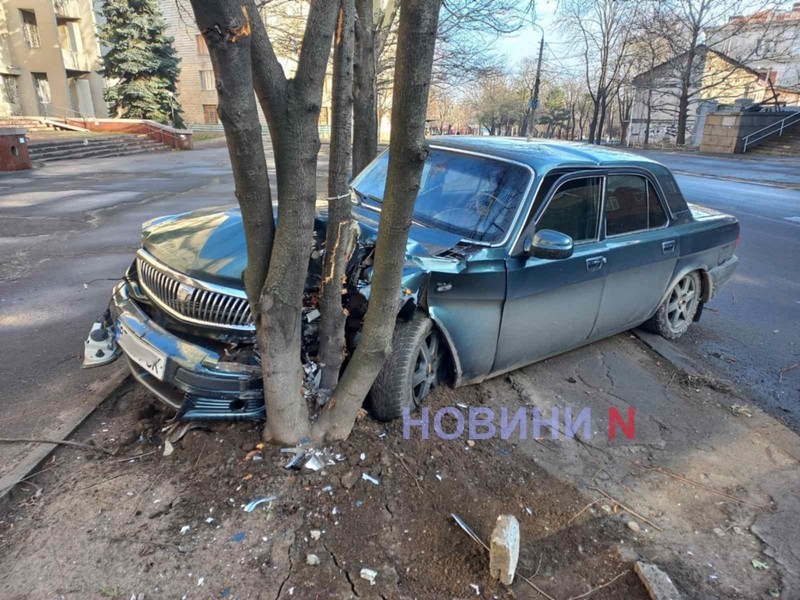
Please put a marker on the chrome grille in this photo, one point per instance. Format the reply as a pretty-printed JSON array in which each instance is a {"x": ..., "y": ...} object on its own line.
[{"x": 193, "y": 301}]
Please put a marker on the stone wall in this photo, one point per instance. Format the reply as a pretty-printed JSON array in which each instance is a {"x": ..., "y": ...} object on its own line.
[{"x": 724, "y": 132}]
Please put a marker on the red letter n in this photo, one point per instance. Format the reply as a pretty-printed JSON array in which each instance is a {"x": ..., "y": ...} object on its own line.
[{"x": 614, "y": 419}]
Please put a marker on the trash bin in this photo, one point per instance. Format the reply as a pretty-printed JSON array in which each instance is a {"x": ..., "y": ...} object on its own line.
[{"x": 13, "y": 149}]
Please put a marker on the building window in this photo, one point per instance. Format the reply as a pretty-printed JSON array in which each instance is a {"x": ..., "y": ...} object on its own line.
[
  {"x": 210, "y": 114},
  {"x": 8, "y": 89},
  {"x": 202, "y": 49},
  {"x": 30, "y": 30},
  {"x": 207, "y": 81}
]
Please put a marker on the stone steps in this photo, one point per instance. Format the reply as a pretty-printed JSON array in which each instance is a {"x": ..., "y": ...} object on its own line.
[
  {"x": 787, "y": 144},
  {"x": 92, "y": 147}
]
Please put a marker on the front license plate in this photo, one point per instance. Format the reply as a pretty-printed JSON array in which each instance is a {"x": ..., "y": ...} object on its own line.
[{"x": 142, "y": 353}]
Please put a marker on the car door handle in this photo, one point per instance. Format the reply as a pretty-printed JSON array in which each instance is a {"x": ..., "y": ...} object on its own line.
[
  {"x": 595, "y": 263},
  {"x": 668, "y": 247}
]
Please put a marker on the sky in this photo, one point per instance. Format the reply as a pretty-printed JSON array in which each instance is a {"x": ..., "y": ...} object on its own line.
[{"x": 525, "y": 43}]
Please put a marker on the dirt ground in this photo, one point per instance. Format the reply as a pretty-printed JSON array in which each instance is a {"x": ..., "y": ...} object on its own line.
[
  {"x": 91, "y": 525},
  {"x": 95, "y": 526}
]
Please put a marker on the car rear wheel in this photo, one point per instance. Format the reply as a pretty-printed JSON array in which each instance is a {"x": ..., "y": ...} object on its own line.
[
  {"x": 414, "y": 368},
  {"x": 677, "y": 312}
]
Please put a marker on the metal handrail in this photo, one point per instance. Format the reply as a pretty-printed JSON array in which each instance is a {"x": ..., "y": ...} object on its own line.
[{"x": 773, "y": 128}]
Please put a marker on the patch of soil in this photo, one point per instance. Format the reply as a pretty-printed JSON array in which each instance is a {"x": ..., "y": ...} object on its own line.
[{"x": 94, "y": 526}]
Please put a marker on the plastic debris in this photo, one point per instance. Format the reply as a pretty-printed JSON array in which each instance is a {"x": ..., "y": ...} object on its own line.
[
  {"x": 239, "y": 537},
  {"x": 178, "y": 430},
  {"x": 369, "y": 575},
  {"x": 201, "y": 581},
  {"x": 251, "y": 506},
  {"x": 185, "y": 529},
  {"x": 759, "y": 564},
  {"x": 363, "y": 456},
  {"x": 168, "y": 448},
  {"x": 312, "y": 559},
  {"x": 314, "y": 463},
  {"x": 369, "y": 478},
  {"x": 294, "y": 462},
  {"x": 315, "y": 534},
  {"x": 475, "y": 587}
]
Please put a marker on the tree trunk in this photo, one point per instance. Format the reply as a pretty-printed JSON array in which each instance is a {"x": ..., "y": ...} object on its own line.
[
  {"x": 226, "y": 30},
  {"x": 408, "y": 152},
  {"x": 337, "y": 240},
  {"x": 648, "y": 118},
  {"x": 683, "y": 99},
  {"x": 365, "y": 85},
  {"x": 595, "y": 119},
  {"x": 292, "y": 108}
]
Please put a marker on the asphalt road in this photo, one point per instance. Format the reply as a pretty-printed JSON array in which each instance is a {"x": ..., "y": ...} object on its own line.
[{"x": 751, "y": 331}]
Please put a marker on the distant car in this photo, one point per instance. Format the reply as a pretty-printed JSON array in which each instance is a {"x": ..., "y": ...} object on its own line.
[{"x": 519, "y": 251}]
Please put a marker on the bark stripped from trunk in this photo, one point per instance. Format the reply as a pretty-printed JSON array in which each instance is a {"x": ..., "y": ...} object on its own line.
[
  {"x": 414, "y": 61},
  {"x": 365, "y": 93},
  {"x": 338, "y": 238},
  {"x": 227, "y": 31}
]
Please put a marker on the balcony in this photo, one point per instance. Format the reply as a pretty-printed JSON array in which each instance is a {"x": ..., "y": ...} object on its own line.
[
  {"x": 75, "y": 63},
  {"x": 66, "y": 10}
]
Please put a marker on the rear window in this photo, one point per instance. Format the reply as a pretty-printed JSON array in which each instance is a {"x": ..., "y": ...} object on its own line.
[{"x": 672, "y": 193}]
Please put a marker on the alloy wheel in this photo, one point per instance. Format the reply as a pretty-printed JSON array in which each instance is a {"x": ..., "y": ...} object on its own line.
[
  {"x": 682, "y": 301},
  {"x": 426, "y": 369}
]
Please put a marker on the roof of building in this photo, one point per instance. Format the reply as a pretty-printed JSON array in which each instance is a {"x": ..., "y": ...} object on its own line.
[{"x": 541, "y": 154}]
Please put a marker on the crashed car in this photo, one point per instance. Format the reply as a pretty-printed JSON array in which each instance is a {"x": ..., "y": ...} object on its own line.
[{"x": 519, "y": 250}]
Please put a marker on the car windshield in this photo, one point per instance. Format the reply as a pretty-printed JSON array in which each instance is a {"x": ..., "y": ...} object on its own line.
[{"x": 472, "y": 196}]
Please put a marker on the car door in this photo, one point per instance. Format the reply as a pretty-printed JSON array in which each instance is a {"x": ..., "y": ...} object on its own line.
[
  {"x": 641, "y": 249},
  {"x": 551, "y": 305}
]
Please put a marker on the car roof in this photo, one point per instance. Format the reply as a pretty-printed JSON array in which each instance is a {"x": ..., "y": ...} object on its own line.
[{"x": 542, "y": 154}]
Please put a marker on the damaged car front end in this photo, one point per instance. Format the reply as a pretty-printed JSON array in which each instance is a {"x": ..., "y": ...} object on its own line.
[{"x": 190, "y": 340}]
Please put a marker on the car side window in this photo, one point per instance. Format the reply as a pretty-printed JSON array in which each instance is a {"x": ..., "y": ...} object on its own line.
[
  {"x": 626, "y": 204},
  {"x": 574, "y": 209},
  {"x": 655, "y": 210}
]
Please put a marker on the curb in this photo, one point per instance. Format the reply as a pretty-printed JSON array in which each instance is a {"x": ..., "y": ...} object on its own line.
[
  {"x": 784, "y": 186},
  {"x": 39, "y": 454},
  {"x": 666, "y": 350}
]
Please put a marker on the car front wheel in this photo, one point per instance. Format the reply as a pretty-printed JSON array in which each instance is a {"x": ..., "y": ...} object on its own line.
[
  {"x": 677, "y": 312},
  {"x": 411, "y": 372}
]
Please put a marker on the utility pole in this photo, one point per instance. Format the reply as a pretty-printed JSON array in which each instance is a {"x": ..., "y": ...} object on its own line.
[{"x": 535, "y": 96}]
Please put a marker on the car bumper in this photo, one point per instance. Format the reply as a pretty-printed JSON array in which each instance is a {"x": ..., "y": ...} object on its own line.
[
  {"x": 722, "y": 273},
  {"x": 191, "y": 379}
]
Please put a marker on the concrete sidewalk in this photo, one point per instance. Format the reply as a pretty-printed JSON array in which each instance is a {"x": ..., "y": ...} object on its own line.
[{"x": 693, "y": 434}]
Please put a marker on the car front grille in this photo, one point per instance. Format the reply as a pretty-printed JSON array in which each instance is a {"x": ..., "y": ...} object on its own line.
[{"x": 193, "y": 301}]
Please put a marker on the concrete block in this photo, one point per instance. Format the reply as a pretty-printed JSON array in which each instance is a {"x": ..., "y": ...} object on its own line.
[
  {"x": 504, "y": 549},
  {"x": 657, "y": 583}
]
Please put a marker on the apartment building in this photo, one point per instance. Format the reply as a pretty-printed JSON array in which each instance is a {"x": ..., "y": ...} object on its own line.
[
  {"x": 197, "y": 85},
  {"x": 49, "y": 58}
]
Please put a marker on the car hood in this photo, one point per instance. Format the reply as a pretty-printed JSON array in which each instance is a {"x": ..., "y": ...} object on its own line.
[{"x": 209, "y": 244}]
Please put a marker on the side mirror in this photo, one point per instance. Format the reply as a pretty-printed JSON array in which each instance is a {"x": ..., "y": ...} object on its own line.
[{"x": 548, "y": 244}]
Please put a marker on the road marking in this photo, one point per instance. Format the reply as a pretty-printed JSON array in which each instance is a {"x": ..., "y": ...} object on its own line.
[{"x": 793, "y": 219}]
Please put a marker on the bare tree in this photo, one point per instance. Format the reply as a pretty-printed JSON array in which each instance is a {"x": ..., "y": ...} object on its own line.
[
  {"x": 689, "y": 22},
  {"x": 603, "y": 30},
  {"x": 408, "y": 152},
  {"x": 244, "y": 59},
  {"x": 338, "y": 236}
]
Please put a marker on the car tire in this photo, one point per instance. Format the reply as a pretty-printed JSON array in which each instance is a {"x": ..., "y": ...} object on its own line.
[
  {"x": 412, "y": 370},
  {"x": 677, "y": 312}
]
